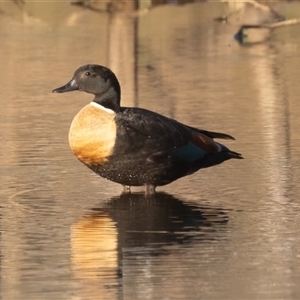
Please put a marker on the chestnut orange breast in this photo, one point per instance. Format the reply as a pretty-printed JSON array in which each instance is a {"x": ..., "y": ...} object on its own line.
[{"x": 92, "y": 134}]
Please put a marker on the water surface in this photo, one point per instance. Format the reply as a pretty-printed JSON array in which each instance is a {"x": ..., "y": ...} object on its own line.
[{"x": 228, "y": 232}]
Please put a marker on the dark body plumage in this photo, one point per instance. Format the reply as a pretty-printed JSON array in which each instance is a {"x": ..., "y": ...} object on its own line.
[
  {"x": 156, "y": 150},
  {"x": 135, "y": 146}
]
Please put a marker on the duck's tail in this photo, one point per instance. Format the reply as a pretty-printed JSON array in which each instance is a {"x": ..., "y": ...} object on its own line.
[{"x": 233, "y": 154}]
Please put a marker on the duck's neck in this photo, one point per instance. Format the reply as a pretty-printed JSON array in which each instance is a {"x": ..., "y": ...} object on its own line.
[{"x": 109, "y": 99}]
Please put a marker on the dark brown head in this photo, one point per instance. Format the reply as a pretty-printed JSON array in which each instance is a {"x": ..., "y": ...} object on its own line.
[{"x": 97, "y": 80}]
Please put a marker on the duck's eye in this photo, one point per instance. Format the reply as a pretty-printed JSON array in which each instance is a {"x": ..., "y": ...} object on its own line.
[{"x": 88, "y": 73}]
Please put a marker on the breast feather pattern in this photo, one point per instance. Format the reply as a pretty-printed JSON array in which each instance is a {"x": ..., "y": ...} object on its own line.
[{"x": 92, "y": 135}]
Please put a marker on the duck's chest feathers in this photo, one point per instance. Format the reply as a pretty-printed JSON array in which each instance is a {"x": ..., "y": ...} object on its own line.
[{"x": 92, "y": 134}]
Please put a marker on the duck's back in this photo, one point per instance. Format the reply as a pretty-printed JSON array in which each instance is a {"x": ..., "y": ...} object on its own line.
[{"x": 153, "y": 149}]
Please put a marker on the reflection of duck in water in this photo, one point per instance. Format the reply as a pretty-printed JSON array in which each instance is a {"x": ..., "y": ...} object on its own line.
[
  {"x": 134, "y": 146},
  {"x": 162, "y": 219},
  {"x": 131, "y": 226}
]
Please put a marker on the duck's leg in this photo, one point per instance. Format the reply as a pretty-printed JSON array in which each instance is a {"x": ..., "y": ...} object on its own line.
[
  {"x": 150, "y": 189},
  {"x": 126, "y": 189}
]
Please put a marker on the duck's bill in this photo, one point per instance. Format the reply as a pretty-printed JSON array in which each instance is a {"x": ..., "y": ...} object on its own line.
[{"x": 70, "y": 86}]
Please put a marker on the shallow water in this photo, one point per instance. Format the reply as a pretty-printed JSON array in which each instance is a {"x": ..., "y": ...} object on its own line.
[{"x": 228, "y": 232}]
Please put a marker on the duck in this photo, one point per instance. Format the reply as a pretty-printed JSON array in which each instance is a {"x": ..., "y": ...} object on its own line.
[{"x": 133, "y": 146}]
